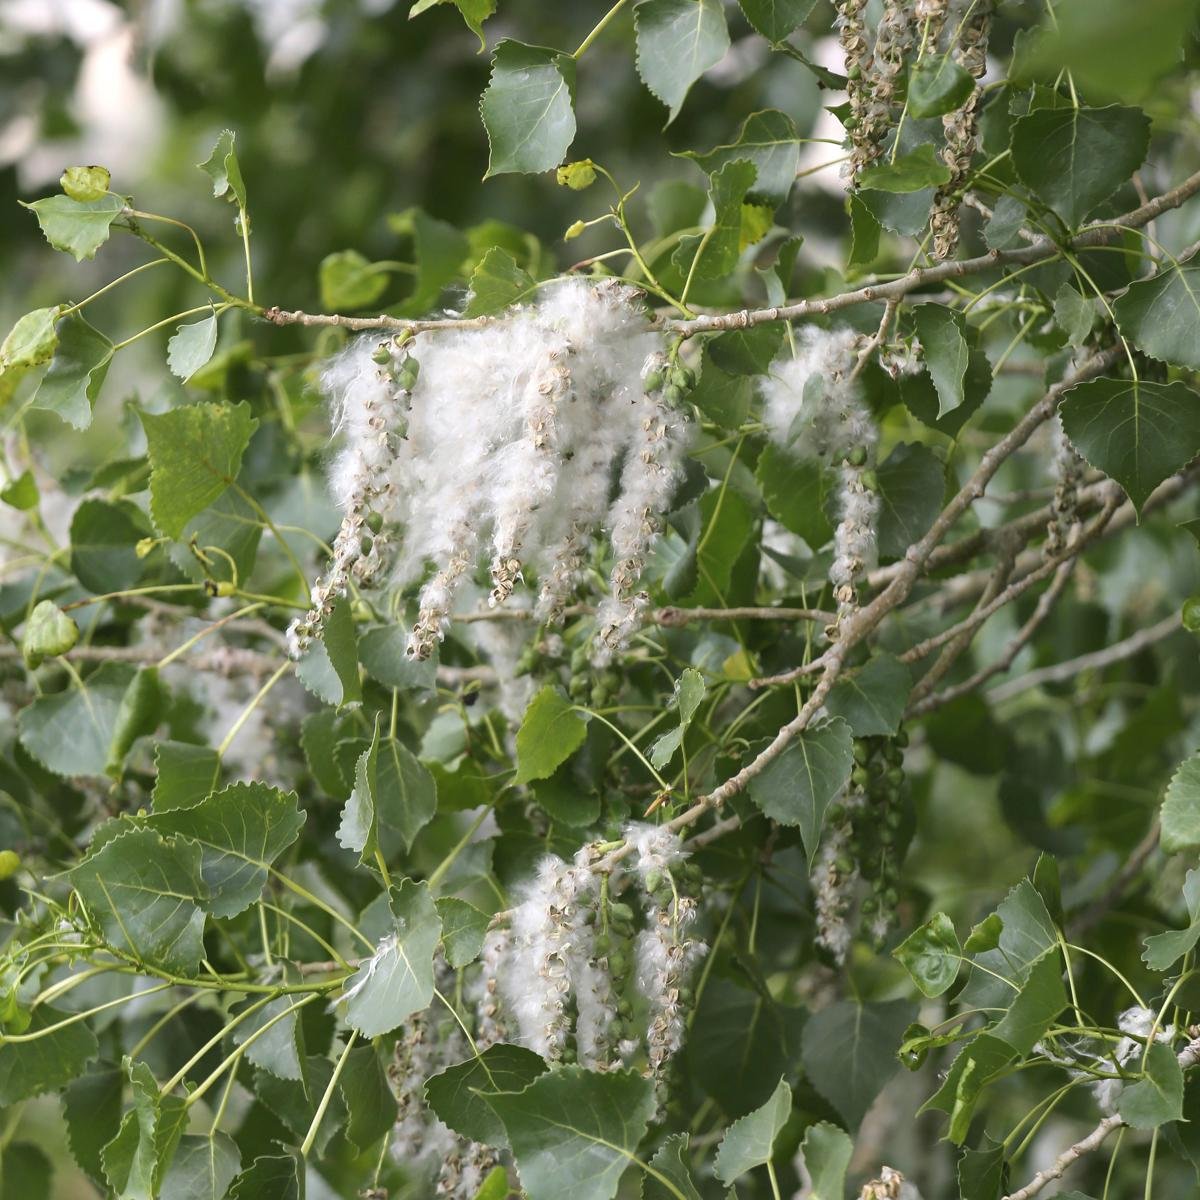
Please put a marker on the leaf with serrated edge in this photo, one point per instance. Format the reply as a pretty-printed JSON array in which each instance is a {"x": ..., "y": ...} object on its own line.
[
  {"x": 1180, "y": 815},
  {"x": 749, "y": 1141},
  {"x": 770, "y": 140},
  {"x": 677, "y": 41},
  {"x": 195, "y": 454},
  {"x": 1161, "y": 315},
  {"x": 872, "y": 700},
  {"x": 46, "y": 1063},
  {"x": 551, "y": 731},
  {"x": 80, "y": 227},
  {"x": 143, "y": 891},
  {"x": 574, "y": 1132},
  {"x": 670, "y": 1175},
  {"x": 397, "y": 980},
  {"x": 460, "y": 1094},
  {"x": 76, "y": 372},
  {"x": 241, "y": 831},
  {"x": 527, "y": 108},
  {"x": 191, "y": 346},
  {"x": 798, "y": 786},
  {"x": 827, "y": 1152},
  {"x": 1137, "y": 432}
]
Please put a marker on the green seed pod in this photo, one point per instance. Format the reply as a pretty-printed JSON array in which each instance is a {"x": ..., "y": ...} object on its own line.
[
  {"x": 857, "y": 457},
  {"x": 844, "y": 865},
  {"x": 901, "y": 739},
  {"x": 869, "y": 905},
  {"x": 894, "y": 818},
  {"x": 381, "y": 354},
  {"x": 618, "y": 963},
  {"x": 686, "y": 995},
  {"x": 653, "y": 380},
  {"x": 653, "y": 880},
  {"x": 684, "y": 377},
  {"x": 624, "y": 1010},
  {"x": 860, "y": 777},
  {"x": 600, "y": 695},
  {"x": 603, "y": 944},
  {"x": 674, "y": 395},
  {"x": 567, "y": 1056},
  {"x": 861, "y": 751},
  {"x": 891, "y": 897},
  {"x": 870, "y": 481},
  {"x": 374, "y": 522},
  {"x": 579, "y": 659},
  {"x": 578, "y": 687},
  {"x": 692, "y": 873},
  {"x": 895, "y": 776},
  {"x": 620, "y": 911}
]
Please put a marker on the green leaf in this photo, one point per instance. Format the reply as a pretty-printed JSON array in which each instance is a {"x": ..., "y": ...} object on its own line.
[
  {"x": 104, "y": 540},
  {"x": 497, "y": 283},
  {"x": 382, "y": 652},
  {"x": 272, "y": 1037},
  {"x": 349, "y": 281},
  {"x": 931, "y": 955},
  {"x": 397, "y": 980},
  {"x": 74, "y": 732},
  {"x": 677, "y": 41},
  {"x": 186, "y": 775},
  {"x": 295, "y": 1104},
  {"x": 29, "y": 344},
  {"x": 911, "y": 486},
  {"x": 1161, "y": 315},
  {"x": 241, "y": 831},
  {"x": 985, "y": 935},
  {"x": 47, "y": 1062},
  {"x": 463, "y": 929},
  {"x": 527, "y": 108},
  {"x": 136, "y": 1159},
  {"x": 689, "y": 692},
  {"x": 1136, "y": 432},
  {"x": 983, "y": 1173},
  {"x": 551, "y": 731},
  {"x": 776, "y": 19},
  {"x": 1113, "y": 48},
  {"x": 1075, "y": 314},
  {"x": 1165, "y": 949},
  {"x": 827, "y": 1152},
  {"x": 76, "y": 373},
  {"x": 797, "y": 787},
  {"x": 849, "y": 1052},
  {"x": 1158, "y": 1096},
  {"x": 78, "y": 227},
  {"x": 864, "y": 232},
  {"x": 943, "y": 340},
  {"x": 1075, "y": 158},
  {"x": 769, "y": 139},
  {"x": 370, "y": 1105},
  {"x": 195, "y": 454},
  {"x": 872, "y": 700},
  {"x": 920, "y": 168},
  {"x": 440, "y": 251},
  {"x": 221, "y": 166},
  {"x": 394, "y": 797},
  {"x": 975, "y": 1065},
  {"x": 1041, "y": 998},
  {"x": 203, "y": 1168},
  {"x": 671, "y": 1162},
  {"x": 795, "y": 491},
  {"x": 270, "y": 1177},
  {"x": 461, "y": 1095},
  {"x": 715, "y": 253},
  {"x": 574, "y": 1133},
  {"x": 92, "y": 1111},
  {"x": 26, "y": 1171},
  {"x": 192, "y": 346},
  {"x": 329, "y": 667},
  {"x": 1180, "y": 814},
  {"x": 48, "y": 633},
  {"x": 749, "y": 1141},
  {"x": 85, "y": 183},
  {"x": 142, "y": 891},
  {"x": 937, "y": 84}
]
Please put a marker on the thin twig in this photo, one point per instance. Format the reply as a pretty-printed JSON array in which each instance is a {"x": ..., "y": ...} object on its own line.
[{"x": 1097, "y": 660}]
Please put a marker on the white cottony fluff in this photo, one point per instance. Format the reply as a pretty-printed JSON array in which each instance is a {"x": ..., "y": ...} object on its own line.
[
  {"x": 655, "y": 847},
  {"x": 507, "y": 447},
  {"x": 1136, "y": 1023},
  {"x": 814, "y": 406},
  {"x": 536, "y": 978}
]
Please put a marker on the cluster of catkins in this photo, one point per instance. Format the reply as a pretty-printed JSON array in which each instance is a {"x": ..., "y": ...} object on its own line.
[
  {"x": 1069, "y": 469},
  {"x": 814, "y": 407},
  {"x": 861, "y": 848},
  {"x": 503, "y": 442},
  {"x": 574, "y": 979},
  {"x": 873, "y": 69},
  {"x": 418, "y": 1137}
]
